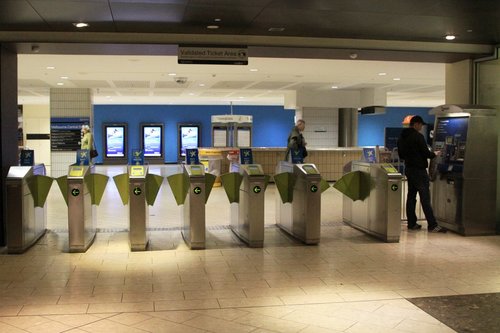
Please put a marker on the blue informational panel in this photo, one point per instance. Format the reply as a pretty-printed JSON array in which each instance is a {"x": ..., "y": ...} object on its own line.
[
  {"x": 82, "y": 157},
  {"x": 246, "y": 156},
  {"x": 137, "y": 157},
  {"x": 370, "y": 155},
  {"x": 192, "y": 156},
  {"x": 152, "y": 140},
  {"x": 27, "y": 157},
  {"x": 115, "y": 141}
]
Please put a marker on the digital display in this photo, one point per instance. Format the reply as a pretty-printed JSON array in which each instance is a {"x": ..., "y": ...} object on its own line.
[
  {"x": 189, "y": 138},
  {"x": 310, "y": 169},
  {"x": 115, "y": 141},
  {"x": 152, "y": 141},
  {"x": 450, "y": 138}
]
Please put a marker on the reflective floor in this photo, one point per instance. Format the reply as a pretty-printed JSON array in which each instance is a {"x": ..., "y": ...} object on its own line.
[{"x": 350, "y": 282}]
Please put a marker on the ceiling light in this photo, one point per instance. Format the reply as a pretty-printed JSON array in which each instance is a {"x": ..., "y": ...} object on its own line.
[
  {"x": 469, "y": 30},
  {"x": 191, "y": 94},
  {"x": 254, "y": 70},
  {"x": 450, "y": 37},
  {"x": 172, "y": 74},
  {"x": 335, "y": 87},
  {"x": 276, "y": 29},
  {"x": 202, "y": 84},
  {"x": 64, "y": 77},
  {"x": 397, "y": 79},
  {"x": 81, "y": 24},
  {"x": 50, "y": 67},
  {"x": 217, "y": 20},
  {"x": 382, "y": 74},
  {"x": 60, "y": 84},
  {"x": 212, "y": 27}
]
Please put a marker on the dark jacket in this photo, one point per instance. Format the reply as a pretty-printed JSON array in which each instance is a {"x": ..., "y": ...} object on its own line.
[
  {"x": 412, "y": 148},
  {"x": 295, "y": 141}
]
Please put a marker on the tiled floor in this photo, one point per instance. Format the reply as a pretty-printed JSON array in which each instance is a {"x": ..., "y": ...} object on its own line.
[{"x": 348, "y": 283}]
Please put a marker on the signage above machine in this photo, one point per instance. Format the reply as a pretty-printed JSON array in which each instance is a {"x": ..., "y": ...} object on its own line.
[
  {"x": 212, "y": 55},
  {"x": 229, "y": 118}
]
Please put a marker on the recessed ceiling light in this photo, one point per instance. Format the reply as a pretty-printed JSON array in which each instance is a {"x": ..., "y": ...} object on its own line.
[
  {"x": 335, "y": 87},
  {"x": 276, "y": 29},
  {"x": 64, "y": 77},
  {"x": 172, "y": 74},
  {"x": 254, "y": 70},
  {"x": 60, "y": 84},
  {"x": 450, "y": 37},
  {"x": 382, "y": 74},
  {"x": 212, "y": 27},
  {"x": 50, "y": 67},
  {"x": 202, "y": 84},
  {"x": 191, "y": 94},
  {"x": 397, "y": 79},
  {"x": 217, "y": 20},
  {"x": 81, "y": 24},
  {"x": 469, "y": 30}
]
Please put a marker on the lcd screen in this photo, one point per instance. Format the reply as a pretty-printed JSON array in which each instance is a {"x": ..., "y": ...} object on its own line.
[
  {"x": 189, "y": 138},
  {"x": 152, "y": 140},
  {"x": 115, "y": 141}
]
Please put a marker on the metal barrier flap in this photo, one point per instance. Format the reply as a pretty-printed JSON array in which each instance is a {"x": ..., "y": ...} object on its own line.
[
  {"x": 231, "y": 182},
  {"x": 355, "y": 185},
  {"x": 121, "y": 182},
  {"x": 179, "y": 184},
  {"x": 96, "y": 184},
  {"x": 153, "y": 184},
  {"x": 39, "y": 187},
  {"x": 285, "y": 182}
]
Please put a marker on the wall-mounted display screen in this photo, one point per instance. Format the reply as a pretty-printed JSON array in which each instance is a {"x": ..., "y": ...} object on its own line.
[
  {"x": 152, "y": 140},
  {"x": 115, "y": 141},
  {"x": 189, "y": 137}
]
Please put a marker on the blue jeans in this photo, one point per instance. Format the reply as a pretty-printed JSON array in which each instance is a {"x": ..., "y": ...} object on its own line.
[{"x": 418, "y": 181}]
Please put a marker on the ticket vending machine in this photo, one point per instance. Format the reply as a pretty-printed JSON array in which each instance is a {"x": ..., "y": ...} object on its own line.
[
  {"x": 299, "y": 210},
  {"x": 27, "y": 188},
  {"x": 464, "y": 174}
]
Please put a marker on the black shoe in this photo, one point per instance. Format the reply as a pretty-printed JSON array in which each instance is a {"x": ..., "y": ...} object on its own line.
[
  {"x": 438, "y": 229},
  {"x": 415, "y": 227}
]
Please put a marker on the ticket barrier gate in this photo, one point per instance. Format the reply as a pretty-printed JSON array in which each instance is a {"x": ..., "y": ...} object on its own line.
[
  {"x": 191, "y": 189},
  {"x": 299, "y": 210},
  {"x": 82, "y": 190},
  {"x": 27, "y": 188},
  {"x": 138, "y": 189},
  {"x": 245, "y": 191},
  {"x": 372, "y": 199}
]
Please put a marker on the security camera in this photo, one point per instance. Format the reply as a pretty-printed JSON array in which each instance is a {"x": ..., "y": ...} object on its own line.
[{"x": 180, "y": 80}]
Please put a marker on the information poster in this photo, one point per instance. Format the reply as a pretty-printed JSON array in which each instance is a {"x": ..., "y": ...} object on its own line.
[
  {"x": 65, "y": 133},
  {"x": 152, "y": 138},
  {"x": 115, "y": 141},
  {"x": 220, "y": 137},
  {"x": 189, "y": 138},
  {"x": 243, "y": 137}
]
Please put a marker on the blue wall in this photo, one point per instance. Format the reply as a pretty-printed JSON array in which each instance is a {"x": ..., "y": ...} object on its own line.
[
  {"x": 371, "y": 127},
  {"x": 271, "y": 124}
]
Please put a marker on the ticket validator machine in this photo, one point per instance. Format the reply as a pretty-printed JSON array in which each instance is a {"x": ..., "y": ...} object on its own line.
[
  {"x": 138, "y": 188},
  {"x": 245, "y": 190},
  {"x": 464, "y": 174},
  {"x": 299, "y": 210},
  {"x": 372, "y": 199},
  {"x": 191, "y": 190},
  {"x": 27, "y": 188},
  {"x": 81, "y": 212}
]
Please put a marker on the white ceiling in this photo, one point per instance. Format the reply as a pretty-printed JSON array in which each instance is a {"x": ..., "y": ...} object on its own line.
[{"x": 145, "y": 79}]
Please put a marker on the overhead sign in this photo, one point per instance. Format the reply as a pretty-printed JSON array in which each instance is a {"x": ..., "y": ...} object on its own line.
[
  {"x": 230, "y": 118},
  {"x": 213, "y": 55}
]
